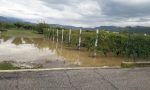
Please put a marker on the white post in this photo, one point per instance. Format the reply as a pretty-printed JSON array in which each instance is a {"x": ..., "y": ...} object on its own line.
[
  {"x": 48, "y": 34},
  {"x": 69, "y": 35},
  {"x": 0, "y": 35},
  {"x": 96, "y": 41},
  {"x": 80, "y": 39},
  {"x": 62, "y": 35},
  {"x": 53, "y": 35},
  {"x": 57, "y": 35}
]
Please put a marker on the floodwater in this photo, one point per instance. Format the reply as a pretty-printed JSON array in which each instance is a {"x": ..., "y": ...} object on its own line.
[{"x": 50, "y": 54}]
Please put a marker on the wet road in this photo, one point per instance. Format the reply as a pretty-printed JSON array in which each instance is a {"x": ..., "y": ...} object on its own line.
[{"x": 89, "y": 79}]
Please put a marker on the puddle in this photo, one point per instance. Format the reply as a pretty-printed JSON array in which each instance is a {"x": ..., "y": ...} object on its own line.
[{"x": 49, "y": 54}]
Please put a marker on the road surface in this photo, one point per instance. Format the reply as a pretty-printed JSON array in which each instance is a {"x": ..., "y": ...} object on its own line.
[{"x": 88, "y": 79}]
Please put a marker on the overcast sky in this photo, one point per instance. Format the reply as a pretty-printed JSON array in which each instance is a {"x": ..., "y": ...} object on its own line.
[{"x": 86, "y": 13}]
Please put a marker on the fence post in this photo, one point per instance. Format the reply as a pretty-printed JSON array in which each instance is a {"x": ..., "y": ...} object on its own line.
[
  {"x": 69, "y": 36},
  {"x": 79, "y": 39},
  {"x": 96, "y": 42},
  {"x": 62, "y": 35},
  {"x": 57, "y": 35}
]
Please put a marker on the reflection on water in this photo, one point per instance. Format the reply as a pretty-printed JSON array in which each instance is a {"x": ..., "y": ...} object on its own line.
[{"x": 37, "y": 49}]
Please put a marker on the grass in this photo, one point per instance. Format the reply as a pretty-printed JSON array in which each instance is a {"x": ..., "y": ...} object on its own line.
[
  {"x": 135, "y": 64},
  {"x": 7, "y": 66},
  {"x": 22, "y": 33}
]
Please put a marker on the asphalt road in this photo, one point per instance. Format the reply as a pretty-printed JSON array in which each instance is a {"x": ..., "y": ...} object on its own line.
[{"x": 91, "y": 79}]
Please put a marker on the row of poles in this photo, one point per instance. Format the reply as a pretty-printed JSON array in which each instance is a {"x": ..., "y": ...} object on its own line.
[{"x": 79, "y": 40}]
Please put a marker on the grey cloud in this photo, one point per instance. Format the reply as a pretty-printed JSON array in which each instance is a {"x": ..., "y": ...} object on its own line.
[
  {"x": 108, "y": 12},
  {"x": 111, "y": 8},
  {"x": 57, "y": 4},
  {"x": 112, "y": 11}
]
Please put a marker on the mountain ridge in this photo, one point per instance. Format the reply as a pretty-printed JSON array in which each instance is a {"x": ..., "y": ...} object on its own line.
[{"x": 142, "y": 29}]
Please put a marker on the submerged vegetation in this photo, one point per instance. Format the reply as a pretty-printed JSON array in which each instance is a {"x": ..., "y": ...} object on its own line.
[
  {"x": 120, "y": 44},
  {"x": 7, "y": 66}
]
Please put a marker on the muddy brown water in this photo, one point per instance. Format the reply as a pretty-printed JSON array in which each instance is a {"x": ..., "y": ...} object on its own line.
[{"x": 49, "y": 54}]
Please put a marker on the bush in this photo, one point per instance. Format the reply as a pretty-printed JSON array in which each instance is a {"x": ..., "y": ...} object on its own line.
[
  {"x": 123, "y": 44},
  {"x": 7, "y": 66}
]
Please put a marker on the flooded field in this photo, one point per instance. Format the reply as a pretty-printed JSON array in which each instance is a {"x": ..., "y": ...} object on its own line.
[{"x": 41, "y": 51}]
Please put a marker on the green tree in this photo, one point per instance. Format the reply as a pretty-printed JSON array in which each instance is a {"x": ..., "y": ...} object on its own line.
[{"x": 40, "y": 27}]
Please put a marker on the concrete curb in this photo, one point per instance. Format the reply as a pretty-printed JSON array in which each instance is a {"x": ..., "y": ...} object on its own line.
[{"x": 59, "y": 69}]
